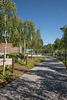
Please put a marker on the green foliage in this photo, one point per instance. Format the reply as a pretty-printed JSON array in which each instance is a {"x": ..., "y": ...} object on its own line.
[
  {"x": 15, "y": 56},
  {"x": 17, "y": 38},
  {"x": 40, "y": 60},
  {"x": 57, "y": 44},
  {"x": 8, "y": 10},
  {"x": 62, "y": 59},
  {"x": 4, "y": 76},
  {"x": 34, "y": 64},
  {"x": 20, "y": 62},
  {"x": 8, "y": 74},
  {"x": 21, "y": 54},
  {"x": 16, "y": 29},
  {"x": 15, "y": 72},
  {"x": 12, "y": 55},
  {"x": 30, "y": 65},
  {"x": 64, "y": 37},
  {"x": 48, "y": 48}
]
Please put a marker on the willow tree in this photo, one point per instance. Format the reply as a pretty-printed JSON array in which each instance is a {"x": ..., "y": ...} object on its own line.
[{"x": 7, "y": 10}]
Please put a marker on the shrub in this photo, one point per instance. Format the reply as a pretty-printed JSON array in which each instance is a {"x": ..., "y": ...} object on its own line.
[{"x": 14, "y": 55}]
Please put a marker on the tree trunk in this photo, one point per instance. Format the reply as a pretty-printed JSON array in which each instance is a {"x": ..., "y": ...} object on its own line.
[
  {"x": 31, "y": 53},
  {"x": 20, "y": 49},
  {"x": 5, "y": 48}
]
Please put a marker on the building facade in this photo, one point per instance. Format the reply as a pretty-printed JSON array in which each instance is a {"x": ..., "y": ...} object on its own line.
[{"x": 9, "y": 48}]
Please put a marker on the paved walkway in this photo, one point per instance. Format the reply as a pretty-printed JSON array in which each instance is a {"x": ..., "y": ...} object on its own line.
[{"x": 48, "y": 81}]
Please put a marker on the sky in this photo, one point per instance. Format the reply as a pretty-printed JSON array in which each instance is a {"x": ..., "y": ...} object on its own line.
[{"x": 49, "y": 15}]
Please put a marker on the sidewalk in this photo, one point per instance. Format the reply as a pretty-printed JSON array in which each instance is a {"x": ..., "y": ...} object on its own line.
[{"x": 47, "y": 81}]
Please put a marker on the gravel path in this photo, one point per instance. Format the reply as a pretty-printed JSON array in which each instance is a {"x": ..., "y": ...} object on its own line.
[{"x": 47, "y": 81}]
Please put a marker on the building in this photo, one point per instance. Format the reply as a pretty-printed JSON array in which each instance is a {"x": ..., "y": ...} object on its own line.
[{"x": 9, "y": 48}]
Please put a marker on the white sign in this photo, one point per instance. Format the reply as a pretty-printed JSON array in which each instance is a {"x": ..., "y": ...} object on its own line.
[{"x": 8, "y": 61}]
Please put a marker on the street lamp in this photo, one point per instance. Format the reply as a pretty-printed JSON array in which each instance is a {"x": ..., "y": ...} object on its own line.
[{"x": 65, "y": 41}]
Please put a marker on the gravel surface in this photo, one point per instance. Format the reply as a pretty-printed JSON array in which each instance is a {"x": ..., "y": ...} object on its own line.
[{"x": 47, "y": 81}]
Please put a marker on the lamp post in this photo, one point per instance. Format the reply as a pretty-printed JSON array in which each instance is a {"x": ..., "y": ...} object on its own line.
[{"x": 65, "y": 29}]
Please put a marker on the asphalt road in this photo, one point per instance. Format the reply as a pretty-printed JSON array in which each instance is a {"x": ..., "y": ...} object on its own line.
[{"x": 47, "y": 81}]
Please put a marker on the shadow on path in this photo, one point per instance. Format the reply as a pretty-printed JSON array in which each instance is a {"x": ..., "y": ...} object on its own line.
[{"x": 47, "y": 81}]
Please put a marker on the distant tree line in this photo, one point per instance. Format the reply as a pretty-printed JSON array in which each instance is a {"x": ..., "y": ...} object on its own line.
[{"x": 59, "y": 44}]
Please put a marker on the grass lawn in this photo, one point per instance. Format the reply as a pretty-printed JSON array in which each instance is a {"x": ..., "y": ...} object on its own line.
[{"x": 19, "y": 69}]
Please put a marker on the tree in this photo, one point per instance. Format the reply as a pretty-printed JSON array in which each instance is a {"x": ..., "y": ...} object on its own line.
[
  {"x": 57, "y": 44},
  {"x": 25, "y": 33},
  {"x": 33, "y": 36},
  {"x": 39, "y": 41},
  {"x": 64, "y": 37},
  {"x": 18, "y": 33},
  {"x": 7, "y": 10},
  {"x": 64, "y": 29},
  {"x": 28, "y": 34},
  {"x": 49, "y": 48},
  {"x": 0, "y": 25},
  {"x": 45, "y": 49}
]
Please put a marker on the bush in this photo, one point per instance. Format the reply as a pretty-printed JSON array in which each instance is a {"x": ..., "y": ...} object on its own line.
[
  {"x": 14, "y": 55},
  {"x": 21, "y": 54},
  {"x": 61, "y": 58}
]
